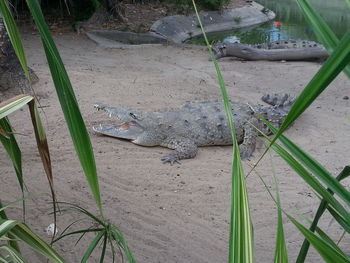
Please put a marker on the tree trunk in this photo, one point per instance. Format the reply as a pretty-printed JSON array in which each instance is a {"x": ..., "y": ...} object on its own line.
[{"x": 11, "y": 73}]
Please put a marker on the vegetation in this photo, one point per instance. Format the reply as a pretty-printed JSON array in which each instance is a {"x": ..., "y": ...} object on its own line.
[
  {"x": 11, "y": 231},
  {"x": 241, "y": 247},
  {"x": 335, "y": 197},
  {"x": 237, "y": 19}
]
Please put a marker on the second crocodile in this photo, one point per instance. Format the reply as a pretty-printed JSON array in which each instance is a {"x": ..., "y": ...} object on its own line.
[
  {"x": 277, "y": 50},
  {"x": 195, "y": 124}
]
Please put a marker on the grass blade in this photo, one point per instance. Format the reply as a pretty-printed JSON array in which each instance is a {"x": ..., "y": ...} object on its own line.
[
  {"x": 310, "y": 180},
  {"x": 10, "y": 144},
  {"x": 83, "y": 211},
  {"x": 281, "y": 255},
  {"x": 119, "y": 238},
  {"x": 315, "y": 167},
  {"x": 327, "y": 239},
  {"x": 323, "y": 205},
  {"x": 322, "y": 31},
  {"x": 6, "y": 108},
  {"x": 327, "y": 251},
  {"x": 22, "y": 232},
  {"x": 12, "y": 243},
  {"x": 241, "y": 229},
  {"x": 13, "y": 104},
  {"x": 79, "y": 232},
  {"x": 92, "y": 246},
  {"x": 332, "y": 67},
  {"x": 68, "y": 103},
  {"x": 103, "y": 253},
  {"x": 13, "y": 254}
]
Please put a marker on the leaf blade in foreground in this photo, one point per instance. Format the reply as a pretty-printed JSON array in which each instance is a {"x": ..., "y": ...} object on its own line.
[
  {"x": 322, "y": 31},
  {"x": 241, "y": 228},
  {"x": 330, "y": 69},
  {"x": 70, "y": 108}
]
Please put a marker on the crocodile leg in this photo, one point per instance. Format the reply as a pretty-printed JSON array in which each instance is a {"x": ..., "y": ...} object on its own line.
[
  {"x": 184, "y": 148},
  {"x": 247, "y": 147}
]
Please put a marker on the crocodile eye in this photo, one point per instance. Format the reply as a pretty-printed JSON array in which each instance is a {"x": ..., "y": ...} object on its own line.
[{"x": 133, "y": 115}]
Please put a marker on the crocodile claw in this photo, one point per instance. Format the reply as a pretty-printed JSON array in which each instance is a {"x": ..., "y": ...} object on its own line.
[
  {"x": 170, "y": 159},
  {"x": 99, "y": 106}
]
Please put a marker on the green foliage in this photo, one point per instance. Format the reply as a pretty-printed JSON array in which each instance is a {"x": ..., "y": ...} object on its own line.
[
  {"x": 281, "y": 255},
  {"x": 70, "y": 107},
  {"x": 303, "y": 164},
  {"x": 12, "y": 230},
  {"x": 106, "y": 233},
  {"x": 321, "y": 209},
  {"x": 322, "y": 31},
  {"x": 237, "y": 19},
  {"x": 241, "y": 245}
]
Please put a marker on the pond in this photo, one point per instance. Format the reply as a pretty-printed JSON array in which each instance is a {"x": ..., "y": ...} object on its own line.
[{"x": 288, "y": 24}]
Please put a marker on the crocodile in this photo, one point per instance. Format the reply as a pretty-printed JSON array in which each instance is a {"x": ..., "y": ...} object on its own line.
[
  {"x": 277, "y": 50},
  {"x": 196, "y": 124}
]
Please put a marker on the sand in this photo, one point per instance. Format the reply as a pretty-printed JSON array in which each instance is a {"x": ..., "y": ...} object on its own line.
[{"x": 176, "y": 213}]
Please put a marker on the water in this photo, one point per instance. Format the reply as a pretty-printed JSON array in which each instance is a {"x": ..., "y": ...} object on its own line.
[{"x": 289, "y": 23}]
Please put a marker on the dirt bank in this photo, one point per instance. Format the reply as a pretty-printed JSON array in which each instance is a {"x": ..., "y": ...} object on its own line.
[{"x": 169, "y": 213}]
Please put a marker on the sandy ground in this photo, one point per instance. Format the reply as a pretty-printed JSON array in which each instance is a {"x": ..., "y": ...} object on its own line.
[{"x": 169, "y": 213}]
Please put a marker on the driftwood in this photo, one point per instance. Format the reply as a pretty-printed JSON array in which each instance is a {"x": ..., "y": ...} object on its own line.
[{"x": 278, "y": 50}]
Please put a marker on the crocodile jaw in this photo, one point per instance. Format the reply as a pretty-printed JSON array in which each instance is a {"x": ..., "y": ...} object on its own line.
[{"x": 127, "y": 130}]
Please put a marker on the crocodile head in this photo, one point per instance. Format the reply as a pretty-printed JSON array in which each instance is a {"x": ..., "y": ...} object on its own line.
[
  {"x": 219, "y": 50},
  {"x": 138, "y": 127}
]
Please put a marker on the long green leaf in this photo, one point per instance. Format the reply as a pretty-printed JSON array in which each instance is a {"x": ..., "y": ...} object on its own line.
[
  {"x": 119, "y": 237},
  {"x": 92, "y": 246},
  {"x": 321, "y": 29},
  {"x": 22, "y": 232},
  {"x": 327, "y": 251},
  {"x": 6, "y": 226},
  {"x": 89, "y": 230},
  {"x": 14, "y": 35},
  {"x": 340, "y": 213},
  {"x": 6, "y": 108},
  {"x": 327, "y": 239},
  {"x": 313, "y": 166},
  {"x": 13, "y": 254},
  {"x": 68, "y": 102},
  {"x": 12, "y": 243},
  {"x": 13, "y": 104},
  {"x": 281, "y": 255},
  {"x": 332, "y": 67},
  {"x": 241, "y": 229},
  {"x": 7, "y": 138},
  {"x": 103, "y": 252},
  {"x": 323, "y": 205},
  {"x": 313, "y": 182},
  {"x": 10, "y": 144}
]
